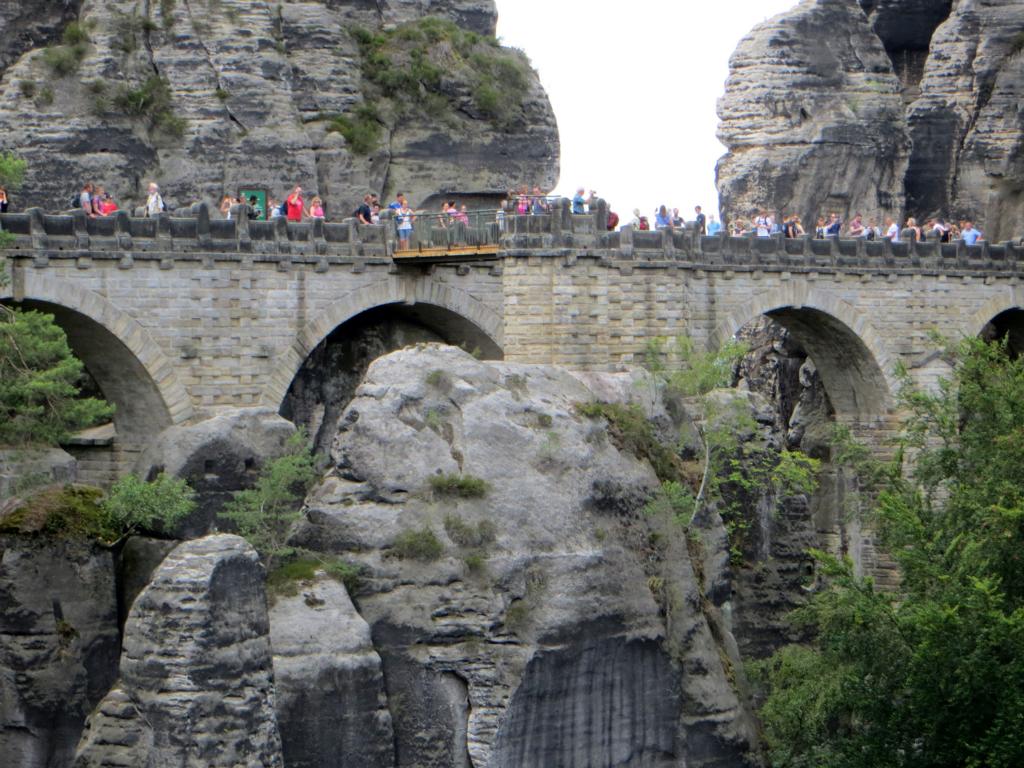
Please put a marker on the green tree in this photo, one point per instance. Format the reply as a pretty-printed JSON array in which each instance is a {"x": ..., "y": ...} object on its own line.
[
  {"x": 133, "y": 504},
  {"x": 932, "y": 674},
  {"x": 39, "y": 377},
  {"x": 265, "y": 513}
]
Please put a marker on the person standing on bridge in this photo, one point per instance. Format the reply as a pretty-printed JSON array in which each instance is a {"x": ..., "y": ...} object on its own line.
[
  {"x": 154, "y": 202},
  {"x": 403, "y": 219},
  {"x": 4, "y": 203},
  {"x": 700, "y": 221},
  {"x": 969, "y": 234},
  {"x": 294, "y": 206},
  {"x": 578, "y": 203}
]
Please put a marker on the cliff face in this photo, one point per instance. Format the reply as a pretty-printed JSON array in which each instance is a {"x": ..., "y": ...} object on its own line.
[
  {"x": 210, "y": 96},
  {"x": 924, "y": 94}
]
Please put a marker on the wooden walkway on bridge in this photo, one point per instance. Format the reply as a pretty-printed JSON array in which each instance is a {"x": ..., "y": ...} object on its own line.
[{"x": 450, "y": 254}]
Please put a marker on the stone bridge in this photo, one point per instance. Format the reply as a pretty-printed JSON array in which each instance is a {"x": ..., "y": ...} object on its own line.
[{"x": 178, "y": 316}]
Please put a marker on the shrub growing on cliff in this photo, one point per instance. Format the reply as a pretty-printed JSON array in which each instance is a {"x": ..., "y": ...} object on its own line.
[
  {"x": 932, "y": 673},
  {"x": 134, "y": 505},
  {"x": 418, "y": 544},
  {"x": 65, "y": 512},
  {"x": 265, "y": 514},
  {"x": 151, "y": 101},
  {"x": 462, "y": 486},
  {"x": 413, "y": 65},
  {"x": 361, "y": 130},
  {"x": 39, "y": 382}
]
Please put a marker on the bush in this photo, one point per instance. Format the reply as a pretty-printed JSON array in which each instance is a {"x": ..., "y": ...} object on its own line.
[
  {"x": 361, "y": 131},
  {"x": 265, "y": 514},
  {"x": 284, "y": 578},
  {"x": 135, "y": 505},
  {"x": 27, "y": 88},
  {"x": 62, "y": 59},
  {"x": 462, "y": 486},
  {"x": 470, "y": 536},
  {"x": 39, "y": 377},
  {"x": 151, "y": 101},
  {"x": 412, "y": 62},
  {"x": 631, "y": 431},
  {"x": 418, "y": 544},
  {"x": 12, "y": 169},
  {"x": 71, "y": 512}
]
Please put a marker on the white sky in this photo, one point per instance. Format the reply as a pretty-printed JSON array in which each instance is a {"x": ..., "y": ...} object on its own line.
[{"x": 634, "y": 87}]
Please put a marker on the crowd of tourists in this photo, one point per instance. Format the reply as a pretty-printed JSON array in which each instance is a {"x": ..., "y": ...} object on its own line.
[
  {"x": 97, "y": 202},
  {"x": 936, "y": 229}
]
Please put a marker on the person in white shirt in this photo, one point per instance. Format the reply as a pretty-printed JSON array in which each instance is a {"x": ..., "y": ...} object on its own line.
[
  {"x": 893, "y": 232},
  {"x": 154, "y": 203}
]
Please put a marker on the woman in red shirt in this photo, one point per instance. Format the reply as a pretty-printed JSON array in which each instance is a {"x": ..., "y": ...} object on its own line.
[{"x": 293, "y": 205}]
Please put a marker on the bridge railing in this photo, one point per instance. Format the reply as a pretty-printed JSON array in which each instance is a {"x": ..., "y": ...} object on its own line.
[{"x": 191, "y": 234}]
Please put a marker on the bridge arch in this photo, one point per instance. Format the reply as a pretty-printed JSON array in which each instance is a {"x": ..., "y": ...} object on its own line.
[
  {"x": 484, "y": 326},
  {"x": 1001, "y": 316},
  {"x": 856, "y": 367},
  {"x": 122, "y": 357}
]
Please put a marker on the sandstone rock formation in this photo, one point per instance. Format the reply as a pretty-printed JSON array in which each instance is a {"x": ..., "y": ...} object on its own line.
[
  {"x": 813, "y": 118},
  {"x": 532, "y": 636},
  {"x": 957, "y": 67},
  {"x": 217, "y": 456},
  {"x": 330, "y": 702},
  {"x": 257, "y": 84},
  {"x": 58, "y": 645},
  {"x": 196, "y": 683}
]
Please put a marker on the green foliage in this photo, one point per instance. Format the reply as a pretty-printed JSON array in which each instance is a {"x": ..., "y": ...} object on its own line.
[
  {"x": 45, "y": 97},
  {"x": 265, "y": 513},
  {"x": 284, "y": 579},
  {"x": 418, "y": 544},
  {"x": 39, "y": 377},
  {"x": 410, "y": 66},
  {"x": 133, "y": 504},
  {"x": 361, "y": 131},
  {"x": 462, "y": 486},
  {"x": 1017, "y": 43},
  {"x": 933, "y": 673},
  {"x": 27, "y": 88},
  {"x": 7, "y": 240},
  {"x": 469, "y": 536},
  {"x": 64, "y": 59},
  {"x": 673, "y": 502},
  {"x": 631, "y": 431},
  {"x": 69, "y": 512},
  {"x": 439, "y": 380},
  {"x": 75, "y": 33},
  {"x": 167, "y": 12},
  {"x": 152, "y": 102}
]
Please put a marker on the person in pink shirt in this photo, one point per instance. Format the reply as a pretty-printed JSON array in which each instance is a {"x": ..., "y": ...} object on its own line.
[{"x": 316, "y": 208}]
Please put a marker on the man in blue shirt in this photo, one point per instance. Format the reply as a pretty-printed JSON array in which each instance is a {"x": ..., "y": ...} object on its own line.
[
  {"x": 969, "y": 234},
  {"x": 578, "y": 202},
  {"x": 713, "y": 226}
]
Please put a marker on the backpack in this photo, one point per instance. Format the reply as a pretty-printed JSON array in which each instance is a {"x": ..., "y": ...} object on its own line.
[
  {"x": 613, "y": 220},
  {"x": 645, "y": 225},
  {"x": 76, "y": 201}
]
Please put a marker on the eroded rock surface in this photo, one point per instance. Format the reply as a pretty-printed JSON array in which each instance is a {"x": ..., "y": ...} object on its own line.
[
  {"x": 257, "y": 82},
  {"x": 59, "y": 644},
  {"x": 537, "y": 605},
  {"x": 217, "y": 456},
  {"x": 196, "y": 683},
  {"x": 930, "y": 88},
  {"x": 331, "y": 705},
  {"x": 813, "y": 118}
]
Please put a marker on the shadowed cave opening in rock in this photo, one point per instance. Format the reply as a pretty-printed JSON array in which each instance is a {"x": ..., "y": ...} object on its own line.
[{"x": 328, "y": 378}]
